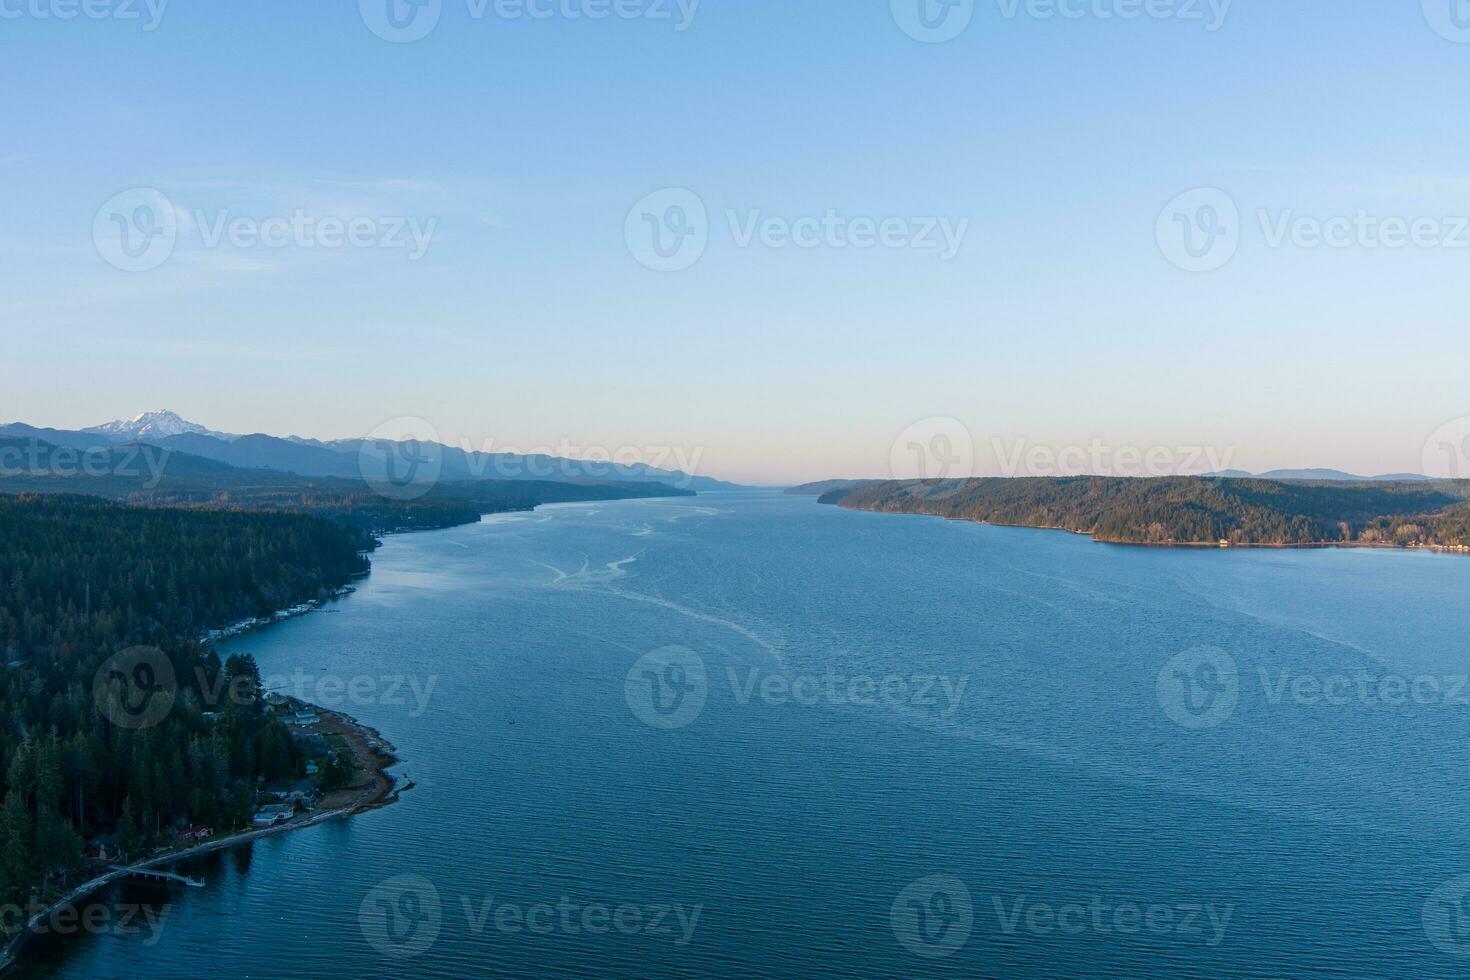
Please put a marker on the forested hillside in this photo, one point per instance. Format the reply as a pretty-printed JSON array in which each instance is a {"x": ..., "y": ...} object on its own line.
[
  {"x": 143, "y": 474},
  {"x": 82, "y": 579},
  {"x": 1189, "y": 510}
]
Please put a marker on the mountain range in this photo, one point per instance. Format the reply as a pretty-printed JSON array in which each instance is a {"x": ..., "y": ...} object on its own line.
[{"x": 347, "y": 458}]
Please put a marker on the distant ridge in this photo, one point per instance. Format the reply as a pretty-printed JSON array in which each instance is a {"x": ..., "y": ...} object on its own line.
[
  {"x": 1328, "y": 476},
  {"x": 144, "y": 473},
  {"x": 821, "y": 487},
  {"x": 1337, "y": 476},
  {"x": 345, "y": 458}
]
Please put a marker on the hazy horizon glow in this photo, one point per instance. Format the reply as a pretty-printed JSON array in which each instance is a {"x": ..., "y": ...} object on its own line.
[{"x": 1051, "y": 233}]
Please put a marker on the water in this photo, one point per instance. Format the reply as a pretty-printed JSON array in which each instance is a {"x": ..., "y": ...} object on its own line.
[{"x": 1024, "y": 768}]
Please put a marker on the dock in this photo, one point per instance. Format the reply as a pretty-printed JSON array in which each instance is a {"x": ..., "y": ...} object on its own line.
[{"x": 158, "y": 875}]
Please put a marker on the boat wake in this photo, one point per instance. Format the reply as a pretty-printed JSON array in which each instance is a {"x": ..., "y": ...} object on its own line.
[
  {"x": 613, "y": 570},
  {"x": 766, "y": 646}
]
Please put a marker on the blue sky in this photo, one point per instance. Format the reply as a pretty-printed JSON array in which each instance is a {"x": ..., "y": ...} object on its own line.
[{"x": 1062, "y": 319}]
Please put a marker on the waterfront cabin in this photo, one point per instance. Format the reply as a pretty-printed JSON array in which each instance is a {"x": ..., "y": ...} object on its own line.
[
  {"x": 272, "y": 814},
  {"x": 303, "y": 792}
]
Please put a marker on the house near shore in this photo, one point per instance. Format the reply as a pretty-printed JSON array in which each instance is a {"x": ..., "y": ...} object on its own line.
[
  {"x": 303, "y": 792},
  {"x": 272, "y": 814},
  {"x": 194, "y": 834}
]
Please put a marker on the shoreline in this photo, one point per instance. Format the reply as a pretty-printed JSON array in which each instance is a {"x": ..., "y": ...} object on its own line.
[
  {"x": 374, "y": 755},
  {"x": 1207, "y": 545},
  {"x": 209, "y": 638}
]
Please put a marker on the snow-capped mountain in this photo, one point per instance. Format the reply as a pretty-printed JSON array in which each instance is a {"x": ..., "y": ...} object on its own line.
[
  {"x": 157, "y": 425},
  {"x": 344, "y": 458}
]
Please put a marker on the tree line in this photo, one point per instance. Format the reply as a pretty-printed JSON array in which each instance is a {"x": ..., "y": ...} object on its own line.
[
  {"x": 1188, "y": 510},
  {"x": 83, "y": 579}
]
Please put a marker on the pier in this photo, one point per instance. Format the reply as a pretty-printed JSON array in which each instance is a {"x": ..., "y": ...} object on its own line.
[{"x": 159, "y": 875}]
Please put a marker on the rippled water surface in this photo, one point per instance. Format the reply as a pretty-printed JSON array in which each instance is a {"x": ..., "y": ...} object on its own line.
[{"x": 884, "y": 746}]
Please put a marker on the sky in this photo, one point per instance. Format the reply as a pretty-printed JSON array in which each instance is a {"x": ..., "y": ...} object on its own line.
[{"x": 790, "y": 240}]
